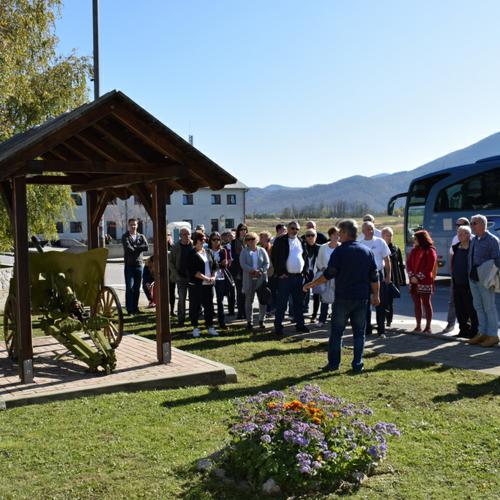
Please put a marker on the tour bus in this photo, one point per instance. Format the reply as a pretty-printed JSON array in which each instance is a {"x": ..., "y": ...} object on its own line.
[{"x": 435, "y": 201}]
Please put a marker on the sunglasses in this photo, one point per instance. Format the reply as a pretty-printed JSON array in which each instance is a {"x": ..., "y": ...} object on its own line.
[
  {"x": 294, "y": 229},
  {"x": 215, "y": 239},
  {"x": 461, "y": 224},
  {"x": 475, "y": 223}
]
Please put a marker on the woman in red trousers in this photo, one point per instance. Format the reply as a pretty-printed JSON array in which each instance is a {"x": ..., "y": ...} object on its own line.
[{"x": 421, "y": 266}]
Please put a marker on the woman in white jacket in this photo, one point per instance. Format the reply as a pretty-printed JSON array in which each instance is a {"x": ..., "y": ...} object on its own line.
[
  {"x": 254, "y": 263},
  {"x": 324, "y": 255}
]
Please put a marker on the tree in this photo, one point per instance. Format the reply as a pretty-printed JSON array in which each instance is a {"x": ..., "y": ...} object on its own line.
[{"x": 36, "y": 84}]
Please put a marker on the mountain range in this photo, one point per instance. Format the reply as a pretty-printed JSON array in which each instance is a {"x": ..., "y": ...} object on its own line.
[{"x": 375, "y": 191}]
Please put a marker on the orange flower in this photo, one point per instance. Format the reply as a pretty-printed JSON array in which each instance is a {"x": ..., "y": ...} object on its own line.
[
  {"x": 336, "y": 414},
  {"x": 295, "y": 405},
  {"x": 316, "y": 420},
  {"x": 271, "y": 406}
]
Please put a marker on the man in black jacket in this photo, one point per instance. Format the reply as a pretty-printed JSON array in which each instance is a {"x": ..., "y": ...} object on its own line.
[
  {"x": 134, "y": 245},
  {"x": 287, "y": 256}
]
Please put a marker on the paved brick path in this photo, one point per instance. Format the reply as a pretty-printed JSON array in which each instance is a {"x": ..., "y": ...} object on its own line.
[
  {"x": 137, "y": 369},
  {"x": 435, "y": 348}
]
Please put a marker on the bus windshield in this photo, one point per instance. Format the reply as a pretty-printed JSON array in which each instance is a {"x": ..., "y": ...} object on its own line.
[{"x": 417, "y": 198}]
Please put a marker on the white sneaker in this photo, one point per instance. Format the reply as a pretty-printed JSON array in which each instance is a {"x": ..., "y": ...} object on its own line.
[
  {"x": 212, "y": 331},
  {"x": 196, "y": 333}
]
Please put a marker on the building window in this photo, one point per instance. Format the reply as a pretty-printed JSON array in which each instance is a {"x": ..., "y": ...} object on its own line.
[
  {"x": 59, "y": 227},
  {"x": 215, "y": 199},
  {"x": 190, "y": 221},
  {"x": 77, "y": 198},
  {"x": 231, "y": 199},
  {"x": 229, "y": 223},
  {"x": 214, "y": 224},
  {"x": 75, "y": 227},
  {"x": 187, "y": 199}
]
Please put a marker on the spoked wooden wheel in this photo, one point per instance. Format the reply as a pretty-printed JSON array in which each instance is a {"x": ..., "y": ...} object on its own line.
[
  {"x": 10, "y": 328},
  {"x": 108, "y": 305}
]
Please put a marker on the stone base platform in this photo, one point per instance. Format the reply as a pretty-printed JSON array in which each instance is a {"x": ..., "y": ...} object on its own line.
[{"x": 137, "y": 369}]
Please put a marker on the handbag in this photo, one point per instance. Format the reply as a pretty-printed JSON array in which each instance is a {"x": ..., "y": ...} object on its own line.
[
  {"x": 264, "y": 294},
  {"x": 318, "y": 289},
  {"x": 394, "y": 291}
]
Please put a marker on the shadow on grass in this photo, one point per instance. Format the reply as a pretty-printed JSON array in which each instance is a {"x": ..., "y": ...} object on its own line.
[
  {"x": 218, "y": 394},
  {"x": 471, "y": 391}
]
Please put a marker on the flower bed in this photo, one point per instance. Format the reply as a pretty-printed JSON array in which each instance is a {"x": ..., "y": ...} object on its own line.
[{"x": 303, "y": 441}]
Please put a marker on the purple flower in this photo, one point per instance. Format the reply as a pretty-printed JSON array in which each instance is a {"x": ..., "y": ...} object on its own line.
[{"x": 266, "y": 438}]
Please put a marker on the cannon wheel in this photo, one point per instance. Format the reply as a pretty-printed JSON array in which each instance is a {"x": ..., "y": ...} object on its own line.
[
  {"x": 108, "y": 305},
  {"x": 9, "y": 328}
]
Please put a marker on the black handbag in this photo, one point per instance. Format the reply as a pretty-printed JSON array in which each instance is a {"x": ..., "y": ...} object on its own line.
[
  {"x": 264, "y": 294},
  {"x": 394, "y": 291}
]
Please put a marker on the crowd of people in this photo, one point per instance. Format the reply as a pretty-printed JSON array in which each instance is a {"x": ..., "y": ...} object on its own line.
[{"x": 342, "y": 271}]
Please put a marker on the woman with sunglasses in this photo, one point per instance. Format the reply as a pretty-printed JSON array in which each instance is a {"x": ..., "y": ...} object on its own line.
[
  {"x": 201, "y": 271},
  {"x": 254, "y": 263},
  {"x": 222, "y": 282}
]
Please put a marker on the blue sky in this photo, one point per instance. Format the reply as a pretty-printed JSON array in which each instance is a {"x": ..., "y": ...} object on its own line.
[{"x": 303, "y": 92}]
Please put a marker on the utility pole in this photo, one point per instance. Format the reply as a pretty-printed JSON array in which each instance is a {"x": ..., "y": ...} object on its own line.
[{"x": 95, "y": 18}]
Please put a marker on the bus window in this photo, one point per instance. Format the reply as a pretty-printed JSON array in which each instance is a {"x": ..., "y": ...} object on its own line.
[
  {"x": 478, "y": 192},
  {"x": 417, "y": 198}
]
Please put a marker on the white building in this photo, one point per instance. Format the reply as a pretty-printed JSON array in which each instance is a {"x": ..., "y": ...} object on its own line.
[{"x": 216, "y": 210}]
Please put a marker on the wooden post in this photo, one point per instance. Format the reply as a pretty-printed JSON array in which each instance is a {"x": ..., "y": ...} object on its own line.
[
  {"x": 163, "y": 335},
  {"x": 21, "y": 270},
  {"x": 92, "y": 227}
]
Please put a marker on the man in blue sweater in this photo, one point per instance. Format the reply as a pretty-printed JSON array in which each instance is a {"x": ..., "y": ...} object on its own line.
[{"x": 355, "y": 272}]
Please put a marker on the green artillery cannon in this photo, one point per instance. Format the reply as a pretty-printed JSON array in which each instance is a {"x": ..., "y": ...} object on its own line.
[{"x": 75, "y": 308}]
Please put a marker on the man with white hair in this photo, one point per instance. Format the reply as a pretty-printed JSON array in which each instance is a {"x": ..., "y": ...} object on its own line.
[
  {"x": 370, "y": 218},
  {"x": 382, "y": 256},
  {"x": 484, "y": 253}
]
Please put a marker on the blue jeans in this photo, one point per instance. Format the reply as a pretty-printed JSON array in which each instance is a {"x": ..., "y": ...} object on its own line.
[
  {"x": 133, "y": 278},
  {"x": 344, "y": 309},
  {"x": 291, "y": 285},
  {"x": 484, "y": 304}
]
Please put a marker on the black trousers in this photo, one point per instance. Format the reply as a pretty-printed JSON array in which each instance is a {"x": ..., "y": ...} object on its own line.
[
  {"x": 240, "y": 298},
  {"x": 171, "y": 295},
  {"x": 201, "y": 295},
  {"x": 464, "y": 307},
  {"x": 379, "y": 310}
]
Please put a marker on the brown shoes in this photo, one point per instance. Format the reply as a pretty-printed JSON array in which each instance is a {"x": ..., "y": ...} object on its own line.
[
  {"x": 489, "y": 342},
  {"x": 477, "y": 339}
]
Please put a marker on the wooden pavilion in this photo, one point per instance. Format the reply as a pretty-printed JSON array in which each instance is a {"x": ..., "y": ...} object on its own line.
[{"x": 108, "y": 148}]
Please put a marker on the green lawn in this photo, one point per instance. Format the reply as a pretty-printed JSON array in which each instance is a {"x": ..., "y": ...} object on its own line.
[{"x": 145, "y": 444}]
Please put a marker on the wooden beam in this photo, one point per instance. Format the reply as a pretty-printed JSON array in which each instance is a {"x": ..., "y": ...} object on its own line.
[
  {"x": 119, "y": 143},
  {"x": 94, "y": 140},
  {"x": 121, "y": 133},
  {"x": 77, "y": 145},
  {"x": 144, "y": 196},
  {"x": 92, "y": 227},
  {"x": 116, "y": 181},
  {"x": 21, "y": 270},
  {"x": 163, "y": 335},
  {"x": 93, "y": 167},
  {"x": 103, "y": 198},
  {"x": 6, "y": 193},
  {"x": 59, "y": 136},
  {"x": 58, "y": 179}
]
